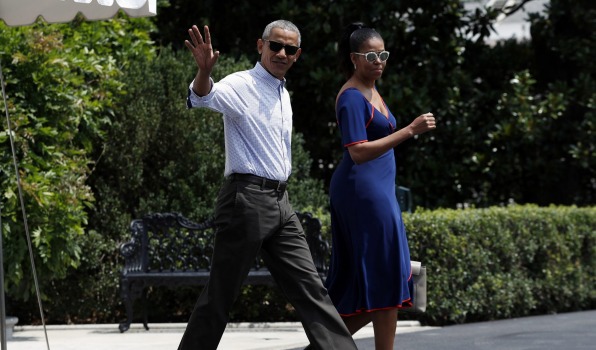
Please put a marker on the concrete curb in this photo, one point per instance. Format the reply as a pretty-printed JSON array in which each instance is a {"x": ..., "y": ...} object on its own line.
[{"x": 240, "y": 327}]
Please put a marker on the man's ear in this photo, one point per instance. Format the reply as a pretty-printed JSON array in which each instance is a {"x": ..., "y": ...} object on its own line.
[
  {"x": 297, "y": 54},
  {"x": 260, "y": 46}
]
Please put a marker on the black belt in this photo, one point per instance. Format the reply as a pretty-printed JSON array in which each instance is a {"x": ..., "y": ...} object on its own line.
[{"x": 279, "y": 186}]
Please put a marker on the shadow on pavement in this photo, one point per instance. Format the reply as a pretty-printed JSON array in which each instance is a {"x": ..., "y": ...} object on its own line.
[{"x": 569, "y": 331}]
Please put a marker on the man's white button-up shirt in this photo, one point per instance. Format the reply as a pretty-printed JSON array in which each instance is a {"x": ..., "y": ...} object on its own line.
[{"x": 257, "y": 118}]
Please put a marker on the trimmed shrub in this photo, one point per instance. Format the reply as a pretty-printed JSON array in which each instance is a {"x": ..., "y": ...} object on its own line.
[{"x": 502, "y": 262}]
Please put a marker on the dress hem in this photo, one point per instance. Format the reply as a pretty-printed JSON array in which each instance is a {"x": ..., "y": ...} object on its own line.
[{"x": 404, "y": 305}]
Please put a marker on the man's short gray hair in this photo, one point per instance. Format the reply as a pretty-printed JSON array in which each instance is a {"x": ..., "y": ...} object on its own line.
[{"x": 282, "y": 24}]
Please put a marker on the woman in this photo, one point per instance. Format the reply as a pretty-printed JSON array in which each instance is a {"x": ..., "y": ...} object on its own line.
[{"x": 369, "y": 277}]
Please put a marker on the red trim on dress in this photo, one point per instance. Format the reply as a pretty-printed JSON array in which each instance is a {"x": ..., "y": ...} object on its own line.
[
  {"x": 404, "y": 305},
  {"x": 355, "y": 143},
  {"x": 372, "y": 114},
  {"x": 391, "y": 126}
]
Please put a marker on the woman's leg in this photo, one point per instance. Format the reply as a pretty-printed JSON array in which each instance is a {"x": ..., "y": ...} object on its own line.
[
  {"x": 384, "y": 324},
  {"x": 355, "y": 323}
]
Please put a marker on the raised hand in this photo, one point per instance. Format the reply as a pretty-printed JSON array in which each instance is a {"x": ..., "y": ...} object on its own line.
[
  {"x": 201, "y": 49},
  {"x": 423, "y": 123}
]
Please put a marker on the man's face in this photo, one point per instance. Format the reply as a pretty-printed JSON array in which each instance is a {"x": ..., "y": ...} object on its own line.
[{"x": 278, "y": 63}]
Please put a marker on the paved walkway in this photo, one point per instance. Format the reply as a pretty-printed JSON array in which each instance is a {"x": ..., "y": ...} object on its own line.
[
  {"x": 242, "y": 336},
  {"x": 569, "y": 331}
]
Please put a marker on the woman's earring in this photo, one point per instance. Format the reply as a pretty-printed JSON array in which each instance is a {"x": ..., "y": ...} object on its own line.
[{"x": 354, "y": 66}]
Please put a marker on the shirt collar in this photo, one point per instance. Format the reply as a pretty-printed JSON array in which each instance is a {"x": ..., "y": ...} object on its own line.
[{"x": 262, "y": 73}]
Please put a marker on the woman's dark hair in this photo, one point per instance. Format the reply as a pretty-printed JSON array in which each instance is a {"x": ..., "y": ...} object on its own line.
[{"x": 352, "y": 38}]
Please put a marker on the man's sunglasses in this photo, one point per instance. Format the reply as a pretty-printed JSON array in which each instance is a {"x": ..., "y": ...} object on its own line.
[
  {"x": 372, "y": 56},
  {"x": 276, "y": 47}
]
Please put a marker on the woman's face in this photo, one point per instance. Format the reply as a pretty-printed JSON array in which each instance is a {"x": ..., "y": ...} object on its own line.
[{"x": 369, "y": 70}]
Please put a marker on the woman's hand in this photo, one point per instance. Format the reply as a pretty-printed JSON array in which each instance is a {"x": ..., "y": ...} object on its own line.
[{"x": 423, "y": 123}]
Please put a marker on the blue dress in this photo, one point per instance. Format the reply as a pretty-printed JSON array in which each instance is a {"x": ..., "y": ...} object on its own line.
[{"x": 370, "y": 261}]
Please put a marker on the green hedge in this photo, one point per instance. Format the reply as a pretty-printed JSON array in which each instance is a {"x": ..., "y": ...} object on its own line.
[
  {"x": 502, "y": 262},
  {"x": 483, "y": 264}
]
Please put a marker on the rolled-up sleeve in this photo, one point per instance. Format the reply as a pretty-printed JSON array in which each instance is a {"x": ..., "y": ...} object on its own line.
[{"x": 193, "y": 100}]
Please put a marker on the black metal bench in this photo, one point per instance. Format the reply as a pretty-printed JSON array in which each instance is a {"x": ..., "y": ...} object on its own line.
[{"x": 167, "y": 249}]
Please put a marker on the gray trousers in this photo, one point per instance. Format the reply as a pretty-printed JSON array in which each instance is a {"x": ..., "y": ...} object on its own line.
[{"x": 250, "y": 219}]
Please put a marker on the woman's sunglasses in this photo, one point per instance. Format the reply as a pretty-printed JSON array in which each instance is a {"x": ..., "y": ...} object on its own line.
[
  {"x": 276, "y": 47},
  {"x": 373, "y": 56}
]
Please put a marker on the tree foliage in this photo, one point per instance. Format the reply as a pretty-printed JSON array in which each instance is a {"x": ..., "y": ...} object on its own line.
[
  {"x": 61, "y": 84},
  {"x": 102, "y": 134},
  {"x": 485, "y": 97}
]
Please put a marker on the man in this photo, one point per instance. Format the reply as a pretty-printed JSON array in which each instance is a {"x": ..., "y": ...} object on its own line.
[{"x": 253, "y": 212}]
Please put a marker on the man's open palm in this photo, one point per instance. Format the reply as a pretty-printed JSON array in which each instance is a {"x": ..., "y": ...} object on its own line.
[{"x": 201, "y": 49}]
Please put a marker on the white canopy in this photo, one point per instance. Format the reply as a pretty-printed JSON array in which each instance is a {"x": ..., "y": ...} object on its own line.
[{"x": 23, "y": 12}]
